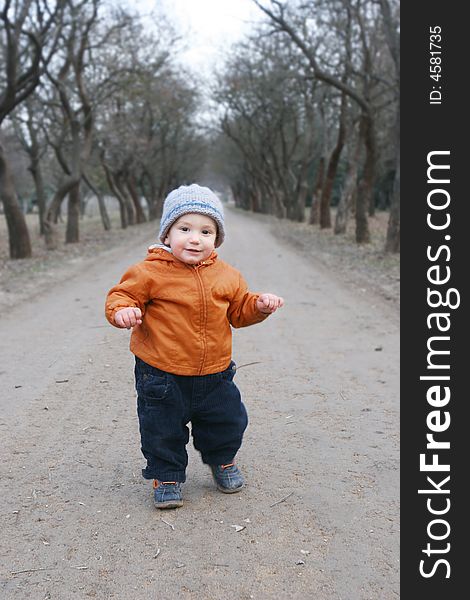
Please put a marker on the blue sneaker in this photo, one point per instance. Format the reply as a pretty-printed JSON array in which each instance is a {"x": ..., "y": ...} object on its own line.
[
  {"x": 167, "y": 494},
  {"x": 228, "y": 478}
]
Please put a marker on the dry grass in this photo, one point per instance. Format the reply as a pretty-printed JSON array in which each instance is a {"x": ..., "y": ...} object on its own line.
[{"x": 19, "y": 277}]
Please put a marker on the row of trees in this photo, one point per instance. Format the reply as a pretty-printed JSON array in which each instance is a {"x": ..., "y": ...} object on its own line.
[
  {"x": 306, "y": 112},
  {"x": 311, "y": 104},
  {"x": 97, "y": 104}
]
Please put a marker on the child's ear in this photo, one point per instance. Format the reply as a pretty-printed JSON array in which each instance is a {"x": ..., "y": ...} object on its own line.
[{"x": 165, "y": 241}]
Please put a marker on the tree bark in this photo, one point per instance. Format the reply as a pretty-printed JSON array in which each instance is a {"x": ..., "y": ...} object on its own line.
[
  {"x": 392, "y": 243},
  {"x": 101, "y": 204},
  {"x": 19, "y": 240},
  {"x": 36, "y": 172},
  {"x": 325, "y": 202},
  {"x": 130, "y": 211},
  {"x": 302, "y": 194},
  {"x": 53, "y": 210},
  {"x": 132, "y": 188},
  {"x": 315, "y": 207},
  {"x": 302, "y": 181},
  {"x": 347, "y": 194},
  {"x": 114, "y": 189},
  {"x": 72, "y": 235},
  {"x": 365, "y": 188}
]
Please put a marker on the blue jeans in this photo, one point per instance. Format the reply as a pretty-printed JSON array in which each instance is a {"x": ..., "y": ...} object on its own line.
[{"x": 166, "y": 403}]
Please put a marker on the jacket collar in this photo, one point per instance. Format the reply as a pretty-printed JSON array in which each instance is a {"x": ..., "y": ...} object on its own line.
[{"x": 163, "y": 253}]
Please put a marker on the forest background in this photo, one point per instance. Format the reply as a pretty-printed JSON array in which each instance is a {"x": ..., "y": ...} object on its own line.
[{"x": 300, "y": 121}]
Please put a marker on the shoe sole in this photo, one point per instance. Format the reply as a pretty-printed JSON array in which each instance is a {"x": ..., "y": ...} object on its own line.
[
  {"x": 229, "y": 490},
  {"x": 169, "y": 504}
]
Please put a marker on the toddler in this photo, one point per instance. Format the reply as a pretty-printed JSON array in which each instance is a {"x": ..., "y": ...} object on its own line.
[{"x": 181, "y": 303}]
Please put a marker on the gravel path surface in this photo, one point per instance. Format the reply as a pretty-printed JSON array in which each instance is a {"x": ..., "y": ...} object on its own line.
[{"x": 319, "y": 517}]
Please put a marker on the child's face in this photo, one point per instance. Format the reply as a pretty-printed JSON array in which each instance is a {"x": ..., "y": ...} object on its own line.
[{"x": 192, "y": 238}]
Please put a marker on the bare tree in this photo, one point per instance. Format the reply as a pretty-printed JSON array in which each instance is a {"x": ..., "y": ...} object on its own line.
[
  {"x": 77, "y": 112},
  {"x": 391, "y": 29},
  {"x": 269, "y": 117},
  {"x": 28, "y": 39},
  {"x": 30, "y": 133},
  {"x": 357, "y": 83}
]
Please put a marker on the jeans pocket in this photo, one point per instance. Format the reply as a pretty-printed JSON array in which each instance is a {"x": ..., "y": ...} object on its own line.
[
  {"x": 152, "y": 384},
  {"x": 155, "y": 388},
  {"x": 229, "y": 373}
]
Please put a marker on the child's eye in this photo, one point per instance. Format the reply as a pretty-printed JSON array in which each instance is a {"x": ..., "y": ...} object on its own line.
[
  {"x": 184, "y": 228},
  {"x": 206, "y": 232}
]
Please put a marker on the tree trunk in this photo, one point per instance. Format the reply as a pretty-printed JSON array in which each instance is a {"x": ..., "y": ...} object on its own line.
[
  {"x": 53, "y": 211},
  {"x": 255, "y": 197},
  {"x": 51, "y": 235},
  {"x": 315, "y": 208},
  {"x": 325, "y": 202},
  {"x": 365, "y": 188},
  {"x": 279, "y": 204},
  {"x": 325, "y": 199},
  {"x": 83, "y": 203},
  {"x": 101, "y": 204},
  {"x": 346, "y": 200},
  {"x": 392, "y": 243},
  {"x": 103, "y": 212},
  {"x": 72, "y": 235},
  {"x": 148, "y": 190},
  {"x": 114, "y": 189},
  {"x": 132, "y": 188},
  {"x": 36, "y": 172},
  {"x": 302, "y": 184},
  {"x": 18, "y": 235},
  {"x": 372, "y": 205},
  {"x": 129, "y": 207},
  {"x": 301, "y": 200}
]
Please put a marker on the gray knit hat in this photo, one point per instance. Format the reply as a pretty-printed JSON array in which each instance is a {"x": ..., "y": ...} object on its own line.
[{"x": 192, "y": 199}]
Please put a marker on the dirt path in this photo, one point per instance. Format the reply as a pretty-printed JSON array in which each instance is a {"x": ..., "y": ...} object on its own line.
[{"x": 320, "y": 511}]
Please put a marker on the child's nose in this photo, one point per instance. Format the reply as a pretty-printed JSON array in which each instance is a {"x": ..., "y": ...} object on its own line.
[{"x": 194, "y": 238}]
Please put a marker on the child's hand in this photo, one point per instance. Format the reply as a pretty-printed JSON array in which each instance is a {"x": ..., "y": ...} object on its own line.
[
  {"x": 269, "y": 303},
  {"x": 128, "y": 317}
]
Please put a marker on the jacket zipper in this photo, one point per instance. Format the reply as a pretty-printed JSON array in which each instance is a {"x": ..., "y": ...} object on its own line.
[{"x": 204, "y": 314}]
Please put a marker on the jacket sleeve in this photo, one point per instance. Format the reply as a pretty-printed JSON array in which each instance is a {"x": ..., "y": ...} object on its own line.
[
  {"x": 131, "y": 292},
  {"x": 242, "y": 310}
]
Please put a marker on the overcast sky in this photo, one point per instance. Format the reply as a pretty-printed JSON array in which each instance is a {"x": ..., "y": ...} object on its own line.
[{"x": 208, "y": 26}]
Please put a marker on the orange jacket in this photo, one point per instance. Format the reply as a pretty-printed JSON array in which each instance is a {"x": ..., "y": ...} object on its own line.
[{"x": 187, "y": 311}]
